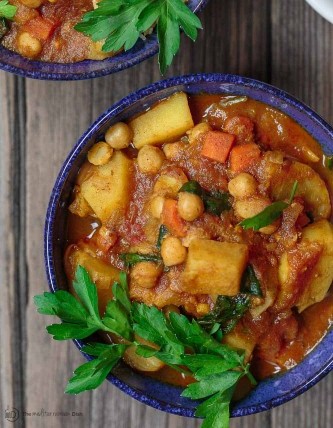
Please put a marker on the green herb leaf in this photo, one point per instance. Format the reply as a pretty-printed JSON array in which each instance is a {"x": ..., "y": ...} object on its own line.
[
  {"x": 215, "y": 202},
  {"x": 265, "y": 217},
  {"x": 293, "y": 192},
  {"x": 7, "y": 10},
  {"x": 250, "y": 283},
  {"x": 87, "y": 293},
  {"x": 151, "y": 324},
  {"x": 90, "y": 375},
  {"x": 122, "y": 22},
  {"x": 163, "y": 231},
  {"x": 209, "y": 385},
  {"x": 227, "y": 311},
  {"x": 215, "y": 410},
  {"x": 269, "y": 214},
  {"x": 130, "y": 259},
  {"x": 117, "y": 316}
]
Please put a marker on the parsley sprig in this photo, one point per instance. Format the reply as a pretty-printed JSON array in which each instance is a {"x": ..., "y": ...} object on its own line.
[
  {"x": 7, "y": 10},
  {"x": 177, "y": 341},
  {"x": 122, "y": 22}
]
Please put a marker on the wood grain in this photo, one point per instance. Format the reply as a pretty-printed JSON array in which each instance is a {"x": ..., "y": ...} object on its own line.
[{"x": 279, "y": 41}]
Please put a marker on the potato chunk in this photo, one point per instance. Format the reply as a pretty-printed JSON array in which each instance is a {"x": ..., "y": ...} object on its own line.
[
  {"x": 242, "y": 340},
  {"x": 101, "y": 273},
  {"x": 322, "y": 275},
  {"x": 214, "y": 267},
  {"x": 165, "y": 122},
  {"x": 107, "y": 189}
]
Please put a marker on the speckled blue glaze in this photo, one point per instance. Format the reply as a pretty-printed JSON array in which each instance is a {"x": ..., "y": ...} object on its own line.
[
  {"x": 269, "y": 393},
  {"x": 88, "y": 69}
]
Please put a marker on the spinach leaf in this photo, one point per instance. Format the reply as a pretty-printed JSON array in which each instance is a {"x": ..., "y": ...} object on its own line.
[
  {"x": 250, "y": 283},
  {"x": 215, "y": 202},
  {"x": 227, "y": 311}
]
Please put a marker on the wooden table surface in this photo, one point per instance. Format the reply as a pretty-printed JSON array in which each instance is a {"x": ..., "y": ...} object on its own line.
[{"x": 282, "y": 42}]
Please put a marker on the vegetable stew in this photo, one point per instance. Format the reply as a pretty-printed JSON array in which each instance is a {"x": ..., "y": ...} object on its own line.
[{"x": 219, "y": 208}]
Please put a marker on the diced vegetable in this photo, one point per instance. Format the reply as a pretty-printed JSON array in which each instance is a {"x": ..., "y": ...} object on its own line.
[
  {"x": 171, "y": 218},
  {"x": 165, "y": 122},
  {"x": 103, "y": 274},
  {"x": 241, "y": 340},
  {"x": 217, "y": 145},
  {"x": 214, "y": 267},
  {"x": 243, "y": 157},
  {"x": 80, "y": 206},
  {"x": 107, "y": 189}
]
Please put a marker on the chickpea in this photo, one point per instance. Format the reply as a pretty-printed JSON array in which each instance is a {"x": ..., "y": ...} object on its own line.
[
  {"x": 156, "y": 206},
  {"x": 146, "y": 274},
  {"x": 151, "y": 364},
  {"x": 190, "y": 206},
  {"x": 172, "y": 251},
  {"x": 119, "y": 136},
  {"x": 242, "y": 186},
  {"x": 150, "y": 159},
  {"x": 170, "y": 308},
  {"x": 171, "y": 150},
  {"x": 195, "y": 133},
  {"x": 250, "y": 207},
  {"x": 28, "y": 45},
  {"x": 100, "y": 153}
]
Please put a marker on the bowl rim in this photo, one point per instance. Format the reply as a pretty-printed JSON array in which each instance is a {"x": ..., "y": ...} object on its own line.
[
  {"x": 113, "y": 111},
  {"x": 62, "y": 71}
]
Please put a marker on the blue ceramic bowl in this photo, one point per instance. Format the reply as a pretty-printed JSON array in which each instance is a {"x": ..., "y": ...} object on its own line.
[
  {"x": 88, "y": 69},
  {"x": 269, "y": 393}
]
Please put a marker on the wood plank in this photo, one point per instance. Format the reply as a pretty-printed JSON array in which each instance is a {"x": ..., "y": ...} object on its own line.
[
  {"x": 302, "y": 54},
  {"x": 12, "y": 246}
]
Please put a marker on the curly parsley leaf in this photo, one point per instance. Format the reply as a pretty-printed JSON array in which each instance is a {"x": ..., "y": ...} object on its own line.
[
  {"x": 269, "y": 214},
  {"x": 7, "y": 10},
  {"x": 122, "y": 22}
]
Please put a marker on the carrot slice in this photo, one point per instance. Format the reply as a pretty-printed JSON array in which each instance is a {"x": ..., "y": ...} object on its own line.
[
  {"x": 217, "y": 145},
  {"x": 39, "y": 27},
  {"x": 171, "y": 218},
  {"x": 244, "y": 156}
]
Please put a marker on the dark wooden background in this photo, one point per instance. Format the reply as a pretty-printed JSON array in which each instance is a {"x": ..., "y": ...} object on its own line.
[{"x": 283, "y": 42}]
